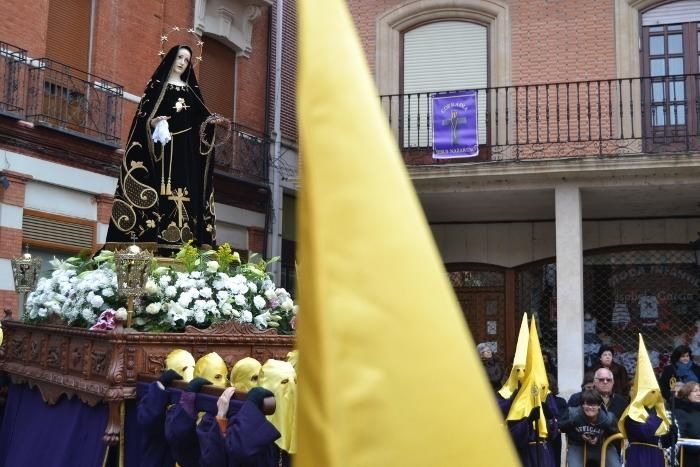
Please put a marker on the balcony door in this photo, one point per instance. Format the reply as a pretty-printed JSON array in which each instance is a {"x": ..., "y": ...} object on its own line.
[
  {"x": 670, "y": 38},
  {"x": 440, "y": 56}
]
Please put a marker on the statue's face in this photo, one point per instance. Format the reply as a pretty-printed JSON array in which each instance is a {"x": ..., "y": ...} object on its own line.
[{"x": 182, "y": 59}]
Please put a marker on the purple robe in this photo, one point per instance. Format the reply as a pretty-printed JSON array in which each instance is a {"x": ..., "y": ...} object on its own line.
[
  {"x": 249, "y": 440},
  {"x": 181, "y": 431},
  {"x": 151, "y": 419},
  {"x": 532, "y": 450},
  {"x": 647, "y": 454}
]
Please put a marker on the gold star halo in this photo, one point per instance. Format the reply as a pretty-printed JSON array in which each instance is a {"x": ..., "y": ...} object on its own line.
[{"x": 194, "y": 41}]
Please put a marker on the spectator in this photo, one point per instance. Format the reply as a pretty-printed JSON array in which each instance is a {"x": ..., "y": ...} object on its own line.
[
  {"x": 603, "y": 382},
  {"x": 561, "y": 408},
  {"x": 682, "y": 369},
  {"x": 492, "y": 364},
  {"x": 586, "y": 428},
  {"x": 605, "y": 360},
  {"x": 687, "y": 414}
]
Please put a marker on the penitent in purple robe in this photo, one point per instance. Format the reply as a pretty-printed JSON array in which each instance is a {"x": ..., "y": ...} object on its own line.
[
  {"x": 533, "y": 451},
  {"x": 643, "y": 450},
  {"x": 181, "y": 431},
  {"x": 249, "y": 439},
  {"x": 151, "y": 419}
]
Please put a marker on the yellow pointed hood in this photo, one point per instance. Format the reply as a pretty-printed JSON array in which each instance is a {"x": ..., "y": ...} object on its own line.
[
  {"x": 517, "y": 374},
  {"x": 535, "y": 387},
  {"x": 244, "y": 374},
  {"x": 646, "y": 394},
  {"x": 182, "y": 362},
  {"x": 280, "y": 378},
  {"x": 213, "y": 368}
]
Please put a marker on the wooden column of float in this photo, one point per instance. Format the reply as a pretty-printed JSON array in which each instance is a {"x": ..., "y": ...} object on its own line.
[{"x": 103, "y": 366}]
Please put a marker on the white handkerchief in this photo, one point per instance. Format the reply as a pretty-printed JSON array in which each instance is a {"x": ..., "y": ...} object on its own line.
[{"x": 161, "y": 134}]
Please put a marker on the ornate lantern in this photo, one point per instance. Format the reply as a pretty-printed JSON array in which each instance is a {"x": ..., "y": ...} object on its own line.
[
  {"x": 25, "y": 270},
  {"x": 132, "y": 267}
]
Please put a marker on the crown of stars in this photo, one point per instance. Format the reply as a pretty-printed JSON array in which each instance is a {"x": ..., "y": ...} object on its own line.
[{"x": 164, "y": 39}]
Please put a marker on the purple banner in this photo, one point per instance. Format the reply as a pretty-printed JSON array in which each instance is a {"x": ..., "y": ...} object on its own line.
[{"x": 455, "y": 125}]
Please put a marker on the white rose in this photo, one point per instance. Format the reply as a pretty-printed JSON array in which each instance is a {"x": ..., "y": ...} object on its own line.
[
  {"x": 153, "y": 308},
  {"x": 240, "y": 300},
  {"x": 259, "y": 302},
  {"x": 212, "y": 266},
  {"x": 246, "y": 316},
  {"x": 151, "y": 287},
  {"x": 164, "y": 281},
  {"x": 205, "y": 292},
  {"x": 200, "y": 316},
  {"x": 270, "y": 294},
  {"x": 96, "y": 301},
  {"x": 222, "y": 295},
  {"x": 287, "y": 305},
  {"x": 226, "y": 309},
  {"x": 107, "y": 292},
  {"x": 170, "y": 291},
  {"x": 184, "y": 299},
  {"x": 120, "y": 314},
  {"x": 253, "y": 288}
]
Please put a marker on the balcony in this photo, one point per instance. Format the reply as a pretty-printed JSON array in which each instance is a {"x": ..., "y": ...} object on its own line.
[
  {"x": 54, "y": 95},
  {"x": 244, "y": 155},
  {"x": 581, "y": 119}
]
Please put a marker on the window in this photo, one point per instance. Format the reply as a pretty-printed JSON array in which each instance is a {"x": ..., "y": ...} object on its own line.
[
  {"x": 441, "y": 56},
  {"x": 216, "y": 77},
  {"x": 670, "y": 37}
]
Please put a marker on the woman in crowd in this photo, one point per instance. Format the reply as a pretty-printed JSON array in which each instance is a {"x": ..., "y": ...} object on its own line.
[
  {"x": 682, "y": 369},
  {"x": 605, "y": 360},
  {"x": 492, "y": 365},
  {"x": 687, "y": 413}
]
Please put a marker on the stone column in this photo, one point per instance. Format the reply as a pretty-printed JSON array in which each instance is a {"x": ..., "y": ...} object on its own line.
[{"x": 569, "y": 249}]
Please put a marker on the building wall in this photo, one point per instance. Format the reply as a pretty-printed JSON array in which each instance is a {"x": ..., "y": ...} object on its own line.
[{"x": 517, "y": 243}]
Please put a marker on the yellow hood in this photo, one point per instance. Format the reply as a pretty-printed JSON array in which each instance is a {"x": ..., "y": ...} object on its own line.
[
  {"x": 213, "y": 368},
  {"x": 646, "y": 394},
  {"x": 535, "y": 387},
  {"x": 244, "y": 374},
  {"x": 182, "y": 362},
  {"x": 280, "y": 378},
  {"x": 517, "y": 374}
]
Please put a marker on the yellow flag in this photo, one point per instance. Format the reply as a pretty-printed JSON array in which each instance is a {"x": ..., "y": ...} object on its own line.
[
  {"x": 517, "y": 373},
  {"x": 645, "y": 394},
  {"x": 535, "y": 387},
  {"x": 379, "y": 314}
]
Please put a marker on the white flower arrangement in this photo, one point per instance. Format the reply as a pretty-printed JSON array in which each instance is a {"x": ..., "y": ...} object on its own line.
[{"x": 214, "y": 287}]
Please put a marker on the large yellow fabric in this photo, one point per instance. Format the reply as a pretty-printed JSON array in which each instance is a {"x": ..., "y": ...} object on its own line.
[
  {"x": 244, "y": 374},
  {"x": 213, "y": 368},
  {"x": 182, "y": 362},
  {"x": 517, "y": 373},
  {"x": 535, "y": 387},
  {"x": 378, "y": 312},
  {"x": 645, "y": 394},
  {"x": 293, "y": 358},
  {"x": 280, "y": 378}
]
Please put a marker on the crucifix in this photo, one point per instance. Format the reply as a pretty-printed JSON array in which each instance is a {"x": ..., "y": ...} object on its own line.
[
  {"x": 179, "y": 197},
  {"x": 454, "y": 122}
]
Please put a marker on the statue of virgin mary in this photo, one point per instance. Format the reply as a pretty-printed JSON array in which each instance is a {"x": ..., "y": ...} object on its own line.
[{"x": 164, "y": 193}]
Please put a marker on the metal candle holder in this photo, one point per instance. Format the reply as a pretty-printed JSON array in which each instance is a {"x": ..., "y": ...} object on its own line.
[
  {"x": 25, "y": 270},
  {"x": 132, "y": 267}
]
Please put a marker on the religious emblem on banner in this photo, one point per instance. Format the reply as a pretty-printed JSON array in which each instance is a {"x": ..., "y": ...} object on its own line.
[{"x": 455, "y": 124}]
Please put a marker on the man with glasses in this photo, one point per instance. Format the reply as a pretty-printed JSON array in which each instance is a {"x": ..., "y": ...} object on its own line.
[{"x": 603, "y": 382}]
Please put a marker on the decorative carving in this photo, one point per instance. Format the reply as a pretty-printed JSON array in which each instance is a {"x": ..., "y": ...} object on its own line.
[
  {"x": 231, "y": 328},
  {"x": 103, "y": 366}
]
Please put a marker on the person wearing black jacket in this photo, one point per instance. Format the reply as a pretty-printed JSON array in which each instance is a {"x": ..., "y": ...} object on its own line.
[
  {"x": 687, "y": 414},
  {"x": 586, "y": 428},
  {"x": 682, "y": 369}
]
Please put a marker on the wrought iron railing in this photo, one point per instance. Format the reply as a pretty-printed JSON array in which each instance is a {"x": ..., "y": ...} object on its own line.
[
  {"x": 74, "y": 101},
  {"x": 572, "y": 119},
  {"x": 245, "y": 154},
  {"x": 13, "y": 74}
]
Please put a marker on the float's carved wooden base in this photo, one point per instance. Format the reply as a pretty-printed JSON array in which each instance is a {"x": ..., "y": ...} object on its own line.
[{"x": 99, "y": 366}]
